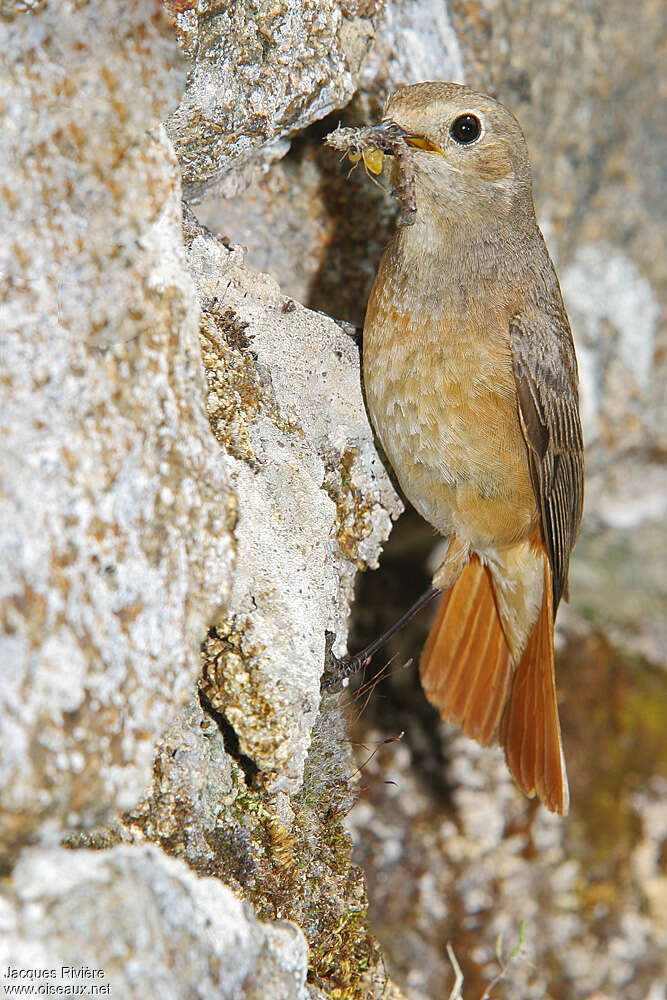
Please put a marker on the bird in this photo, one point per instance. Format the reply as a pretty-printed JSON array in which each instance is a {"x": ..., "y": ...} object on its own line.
[{"x": 471, "y": 384}]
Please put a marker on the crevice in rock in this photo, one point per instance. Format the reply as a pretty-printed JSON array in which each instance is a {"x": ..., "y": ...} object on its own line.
[
  {"x": 229, "y": 739},
  {"x": 398, "y": 703}
]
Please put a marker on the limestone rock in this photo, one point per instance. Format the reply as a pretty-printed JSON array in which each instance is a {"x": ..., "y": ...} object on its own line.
[
  {"x": 257, "y": 73},
  {"x": 314, "y": 501},
  {"x": 130, "y": 535},
  {"x": 318, "y": 228},
  {"x": 148, "y": 925},
  {"x": 414, "y": 41},
  {"x": 110, "y": 479},
  {"x": 288, "y": 856}
]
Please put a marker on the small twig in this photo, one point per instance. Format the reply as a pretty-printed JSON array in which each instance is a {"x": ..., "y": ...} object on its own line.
[{"x": 458, "y": 982}]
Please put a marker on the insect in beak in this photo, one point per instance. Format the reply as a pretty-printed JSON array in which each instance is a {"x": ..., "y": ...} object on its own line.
[{"x": 385, "y": 139}]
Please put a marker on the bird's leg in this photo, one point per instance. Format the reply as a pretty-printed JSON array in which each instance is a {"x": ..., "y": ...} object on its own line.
[
  {"x": 458, "y": 553},
  {"x": 342, "y": 669}
]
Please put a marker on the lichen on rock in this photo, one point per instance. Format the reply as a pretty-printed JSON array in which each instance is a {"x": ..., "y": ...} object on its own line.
[
  {"x": 189, "y": 486},
  {"x": 110, "y": 479},
  {"x": 285, "y": 401},
  {"x": 258, "y": 72},
  {"x": 152, "y": 504}
]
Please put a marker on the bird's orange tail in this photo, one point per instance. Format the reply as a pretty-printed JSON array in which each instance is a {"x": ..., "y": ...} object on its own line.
[
  {"x": 466, "y": 664},
  {"x": 466, "y": 671},
  {"x": 530, "y": 730}
]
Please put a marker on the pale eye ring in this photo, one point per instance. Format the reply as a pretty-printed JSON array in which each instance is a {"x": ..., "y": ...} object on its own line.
[{"x": 465, "y": 129}]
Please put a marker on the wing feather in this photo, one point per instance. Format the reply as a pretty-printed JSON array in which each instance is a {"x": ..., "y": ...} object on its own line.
[{"x": 545, "y": 370}]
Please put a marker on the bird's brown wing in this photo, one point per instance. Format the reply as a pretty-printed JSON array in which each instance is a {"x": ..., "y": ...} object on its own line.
[{"x": 545, "y": 369}]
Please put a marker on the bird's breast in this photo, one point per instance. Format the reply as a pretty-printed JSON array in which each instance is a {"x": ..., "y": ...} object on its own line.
[{"x": 441, "y": 393}]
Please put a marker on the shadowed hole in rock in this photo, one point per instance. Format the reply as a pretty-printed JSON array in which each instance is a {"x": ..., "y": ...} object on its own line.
[{"x": 398, "y": 703}]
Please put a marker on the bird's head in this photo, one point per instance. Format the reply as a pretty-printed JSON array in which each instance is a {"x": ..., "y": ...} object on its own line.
[{"x": 468, "y": 152}]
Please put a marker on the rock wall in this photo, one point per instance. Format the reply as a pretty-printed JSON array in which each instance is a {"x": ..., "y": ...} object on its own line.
[
  {"x": 179, "y": 935},
  {"x": 450, "y": 851},
  {"x": 112, "y": 485},
  {"x": 189, "y": 487}
]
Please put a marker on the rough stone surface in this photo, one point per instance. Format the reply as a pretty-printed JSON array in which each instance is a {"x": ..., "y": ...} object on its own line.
[
  {"x": 148, "y": 535},
  {"x": 150, "y": 925},
  {"x": 257, "y": 72},
  {"x": 289, "y": 857},
  {"x": 314, "y": 501},
  {"x": 318, "y": 232},
  {"x": 112, "y": 486},
  {"x": 414, "y": 41},
  {"x": 80, "y": 89}
]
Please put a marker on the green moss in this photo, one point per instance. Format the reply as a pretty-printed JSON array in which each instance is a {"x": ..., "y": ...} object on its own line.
[
  {"x": 306, "y": 873},
  {"x": 343, "y": 957},
  {"x": 301, "y": 872}
]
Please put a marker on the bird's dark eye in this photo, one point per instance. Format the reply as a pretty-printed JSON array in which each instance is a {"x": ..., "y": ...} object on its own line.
[{"x": 465, "y": 129}]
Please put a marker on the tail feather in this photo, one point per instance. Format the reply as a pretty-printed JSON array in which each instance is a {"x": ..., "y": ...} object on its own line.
[
  {"x": 530, "y": 730},
  {"x": 472, "y": 639},
  {"x": 466, "y": 665},
  {"x": 467, "y": 673}
]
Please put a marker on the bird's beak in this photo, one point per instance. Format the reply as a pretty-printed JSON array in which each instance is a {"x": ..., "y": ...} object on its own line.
[{"x": 389, "y": 131}]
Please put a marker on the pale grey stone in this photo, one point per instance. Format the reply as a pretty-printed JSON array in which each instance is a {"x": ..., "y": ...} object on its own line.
[
  {"x": 414, "y": 41},
  {"x": 258, "y": 72},
  {"x": 313, "y": 500},
  {"x": 280, "y": 972},
  {"x": 150, "y": 925},
  {"x": 305, "y": 222},
  {"x": 112, "y": 484}
]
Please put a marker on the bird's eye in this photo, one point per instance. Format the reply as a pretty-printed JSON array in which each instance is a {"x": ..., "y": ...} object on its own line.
[{"x": 465, "y": 129}]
